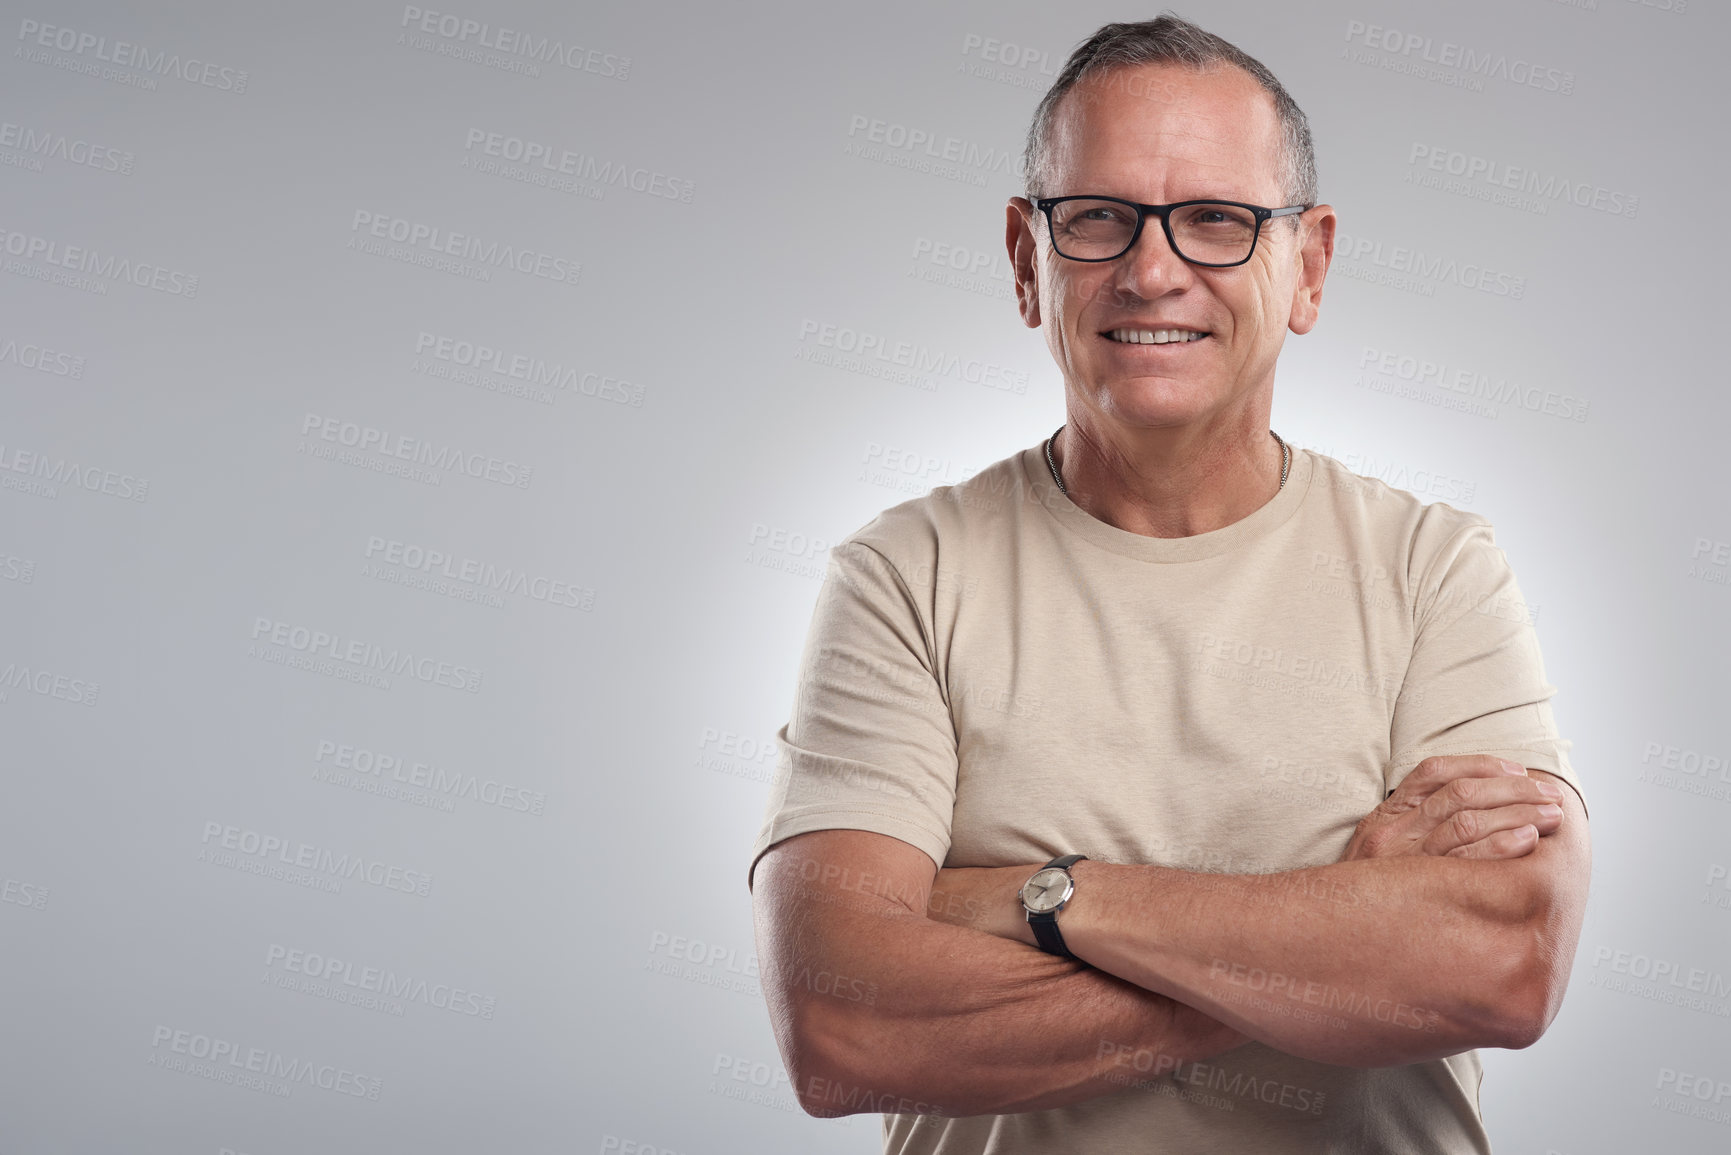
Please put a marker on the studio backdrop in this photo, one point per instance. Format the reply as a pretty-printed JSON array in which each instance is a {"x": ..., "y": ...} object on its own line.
[{"x": 421, "y": 435}]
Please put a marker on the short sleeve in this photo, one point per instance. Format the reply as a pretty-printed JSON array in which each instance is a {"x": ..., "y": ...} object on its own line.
[
  {"x": 871, "y": 744},
  {"x": 1476, "y": 683}
]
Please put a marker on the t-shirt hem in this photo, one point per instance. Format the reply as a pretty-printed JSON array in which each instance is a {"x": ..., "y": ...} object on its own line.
[{"x": 934, "y": 845}]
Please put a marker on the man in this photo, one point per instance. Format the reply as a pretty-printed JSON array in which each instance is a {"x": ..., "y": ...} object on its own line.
[{"x": 1296, "y": 721}]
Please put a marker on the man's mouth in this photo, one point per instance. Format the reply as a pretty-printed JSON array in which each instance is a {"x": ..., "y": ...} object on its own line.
[{"x": 1155, "y": 336}]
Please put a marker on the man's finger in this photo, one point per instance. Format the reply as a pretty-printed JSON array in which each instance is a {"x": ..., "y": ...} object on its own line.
[
  {"x": 1503, "y": 844},
  {"x": 1457, "y": 801},
  {"x": 1434, "y": 773},
  {"x": 1467, "y": 827},
  {"x": 1486, "y": 794}
]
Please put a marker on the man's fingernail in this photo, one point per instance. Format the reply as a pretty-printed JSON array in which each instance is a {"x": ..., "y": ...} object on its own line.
[
  {"x": 1513, "y": 767},
  {"x": 1550, "y": 790}
]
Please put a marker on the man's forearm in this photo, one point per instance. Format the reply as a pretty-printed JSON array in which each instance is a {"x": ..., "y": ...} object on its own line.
[
  {"x": 1451, "y": 923},
  {"x": 963, "y": 1023},
  {"x": 1364, "y": 963},
  {"x": 878, "y": 1008}
]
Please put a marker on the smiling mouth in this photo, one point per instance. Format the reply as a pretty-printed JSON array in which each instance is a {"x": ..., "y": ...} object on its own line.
[{"x": 1155, "y": 336}]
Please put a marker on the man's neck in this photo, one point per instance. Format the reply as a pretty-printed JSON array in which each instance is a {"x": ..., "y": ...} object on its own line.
[{"x": 1165, "y": 483}]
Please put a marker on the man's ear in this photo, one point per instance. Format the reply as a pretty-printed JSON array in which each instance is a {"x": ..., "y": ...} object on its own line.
[
  {"x": 1316, "y": 249},
  {"x": 1019, "y": 218}
]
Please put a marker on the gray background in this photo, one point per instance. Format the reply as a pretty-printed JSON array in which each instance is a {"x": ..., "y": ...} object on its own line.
[{"x": 629, "y": 549}]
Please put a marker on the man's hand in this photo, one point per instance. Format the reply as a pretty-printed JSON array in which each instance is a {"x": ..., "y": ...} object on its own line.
[{"x": 1464, "y": 806}]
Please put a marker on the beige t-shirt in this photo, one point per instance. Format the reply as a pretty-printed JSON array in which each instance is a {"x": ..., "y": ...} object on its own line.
[{"x": 997, "y": 677}]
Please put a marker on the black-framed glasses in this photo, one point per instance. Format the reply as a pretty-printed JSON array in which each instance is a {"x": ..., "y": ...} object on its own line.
[{"x": 1214, "y": 234}]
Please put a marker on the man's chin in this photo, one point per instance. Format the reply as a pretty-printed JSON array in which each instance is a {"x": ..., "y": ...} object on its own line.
[{"x": 1154, "y": 401}]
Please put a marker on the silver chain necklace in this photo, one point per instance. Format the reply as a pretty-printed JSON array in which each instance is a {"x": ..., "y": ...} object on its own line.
[{"x": 1285, "y": 459}]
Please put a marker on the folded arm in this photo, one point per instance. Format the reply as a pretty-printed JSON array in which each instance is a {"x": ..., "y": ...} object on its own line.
[
  {"x": 1435, "y": 934},
  {"x": 878, "y": 1008}
]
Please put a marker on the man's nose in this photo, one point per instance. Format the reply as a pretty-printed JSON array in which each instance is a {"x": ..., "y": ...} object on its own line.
[{"x": 1151, "y": 267}]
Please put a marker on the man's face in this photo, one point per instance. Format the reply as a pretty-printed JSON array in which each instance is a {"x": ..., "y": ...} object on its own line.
[{"x": 1156, "y": 134}]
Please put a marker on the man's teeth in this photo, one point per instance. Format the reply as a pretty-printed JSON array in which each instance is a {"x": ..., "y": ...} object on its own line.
[{"x": 1155, "y": 336}]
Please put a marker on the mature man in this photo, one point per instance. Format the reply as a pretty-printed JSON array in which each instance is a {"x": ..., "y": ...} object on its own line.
[{"x": 1295, "y": 720}]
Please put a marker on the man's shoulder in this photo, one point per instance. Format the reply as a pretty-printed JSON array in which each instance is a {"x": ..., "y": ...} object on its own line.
[
  {"x": 949, "y": 518},
  {"x": 1402, "y": 519}
]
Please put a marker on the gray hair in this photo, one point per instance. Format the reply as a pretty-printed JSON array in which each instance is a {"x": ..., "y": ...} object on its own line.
[{"x": 1170, "y": 40}]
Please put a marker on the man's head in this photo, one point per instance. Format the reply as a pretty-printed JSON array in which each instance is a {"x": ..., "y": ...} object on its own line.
[
  {"x": 1156, "y": 113},
  {"x": 1169, "y": 40}
]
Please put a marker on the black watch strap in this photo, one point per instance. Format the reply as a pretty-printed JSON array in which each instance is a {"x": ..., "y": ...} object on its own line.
[{"x": 1045, "y": 925}]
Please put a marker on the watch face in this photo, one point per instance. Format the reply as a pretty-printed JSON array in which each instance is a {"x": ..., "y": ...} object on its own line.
[{"x": 1047, "y": 890}]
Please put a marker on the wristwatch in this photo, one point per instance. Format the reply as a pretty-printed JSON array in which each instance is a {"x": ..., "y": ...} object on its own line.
[{"x": 1044, "y": 895}]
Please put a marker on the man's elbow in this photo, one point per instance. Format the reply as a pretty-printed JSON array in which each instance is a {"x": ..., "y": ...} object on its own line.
[
  {"x": 1520, "y": 1022},
  {"x": 1538, "y": 929},
  {"x": 829, "y": 1053},
  {"x": 1521, "y": 1019},
  {"x": 844, "y": 1060},
  {"x": 1530, "y": 987}
]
